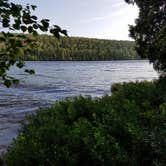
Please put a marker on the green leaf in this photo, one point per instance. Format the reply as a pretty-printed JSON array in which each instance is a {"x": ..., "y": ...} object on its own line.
[
  {"x": 2, "y": 71},
  {"x": 7, "y": 83},
  {"x": 23, "y": 28},
  {"x": 35, "y": 33},
  {"x": 5, "y": 22},
  {"x": 16, "y": 26},
  {"x": 34, "y": 17},
  {"x": 30, "y": 29},
  {"x": 33, "y": 7},
  {"x": 20, "y": 64},
  {"x": 30, "y": 71},
  {"x": 45, "y": 23},
  {"x": 64, "y": 32},
  {"x": 35, "y": 26},
  {"x": 16, "y": 81},
  {"x": 12, "y": 62}
]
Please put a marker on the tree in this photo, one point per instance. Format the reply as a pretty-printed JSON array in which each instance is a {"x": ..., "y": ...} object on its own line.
[
  {"x": 17, "y": 18},
  {"x": 150, "y": 32}
]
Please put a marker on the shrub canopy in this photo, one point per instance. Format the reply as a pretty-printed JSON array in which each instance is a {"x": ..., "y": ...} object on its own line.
[{"x": 125, "y": 129}]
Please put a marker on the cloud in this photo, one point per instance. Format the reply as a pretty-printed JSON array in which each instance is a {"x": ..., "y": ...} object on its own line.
[{"x": 107, "y": 16}]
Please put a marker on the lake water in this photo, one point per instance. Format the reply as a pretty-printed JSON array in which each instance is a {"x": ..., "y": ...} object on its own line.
[{"x": 57, "y": 80}]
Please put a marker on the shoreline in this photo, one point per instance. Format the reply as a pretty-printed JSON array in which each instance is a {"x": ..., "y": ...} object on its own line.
[{"x": 10, "y": 123}]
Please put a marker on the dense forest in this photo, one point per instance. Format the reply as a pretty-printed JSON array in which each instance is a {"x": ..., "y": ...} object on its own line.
[{"x": 80, "y": 49}]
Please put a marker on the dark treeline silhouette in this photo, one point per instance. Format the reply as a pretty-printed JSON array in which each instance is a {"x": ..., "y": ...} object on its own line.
[{"x": 80, "y": 49}]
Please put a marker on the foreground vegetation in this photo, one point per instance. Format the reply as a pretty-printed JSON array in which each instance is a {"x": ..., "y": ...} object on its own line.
[{"x": 127, "y": 129}]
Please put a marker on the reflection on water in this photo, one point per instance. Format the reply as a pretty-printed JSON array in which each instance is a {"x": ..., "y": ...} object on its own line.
[{"x": 57, "y": 80}]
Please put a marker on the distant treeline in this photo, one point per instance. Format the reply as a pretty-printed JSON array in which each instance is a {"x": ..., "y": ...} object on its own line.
[{"x": 81, "y": 49}]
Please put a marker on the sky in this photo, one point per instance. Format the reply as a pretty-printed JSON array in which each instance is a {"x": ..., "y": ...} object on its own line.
[{"x": 106, "y": 19}]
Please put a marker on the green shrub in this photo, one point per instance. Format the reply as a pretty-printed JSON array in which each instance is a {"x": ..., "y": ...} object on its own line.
[
  {"x": 1, "y": 161},
  {"x": 125, "y": 129},
  {"x": 139, "y": 108}
]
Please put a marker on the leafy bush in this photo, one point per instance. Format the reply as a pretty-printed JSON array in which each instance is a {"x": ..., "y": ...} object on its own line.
[{"x": 125, "y": 129}]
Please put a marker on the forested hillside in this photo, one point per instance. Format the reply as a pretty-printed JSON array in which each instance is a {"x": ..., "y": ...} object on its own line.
[{"x": 76, "y": 48}]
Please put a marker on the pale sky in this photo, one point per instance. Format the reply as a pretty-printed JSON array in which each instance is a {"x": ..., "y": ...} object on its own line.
[{"x": 108, "y": 19}]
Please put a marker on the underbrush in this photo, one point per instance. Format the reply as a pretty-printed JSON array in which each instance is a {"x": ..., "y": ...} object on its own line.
[{"x": 125, "y": 129}]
